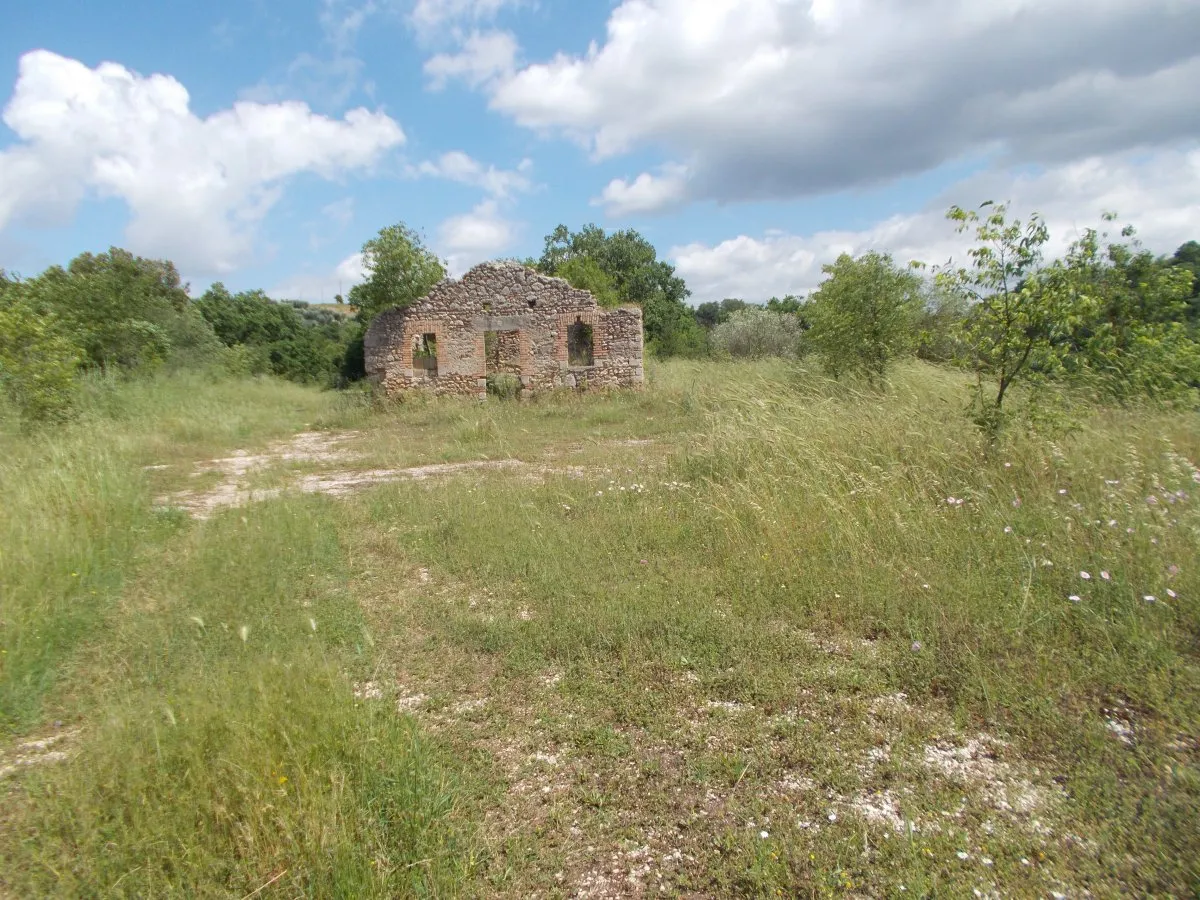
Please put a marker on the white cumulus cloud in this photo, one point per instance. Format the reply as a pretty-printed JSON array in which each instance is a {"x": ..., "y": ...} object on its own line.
[
  {"x": 647, "y": 193},
  {"x": 322, "y": 288},
  {"x": 775, "y": 99},
  {"x": 429, "y": 16},
  {"x": 482, "y": 59},
  {"x": 473, "y": 237},
  {"x": 458, "y": 166},
  {"x": 1160, "y": 195},
  {"x": 196, "y": 187}
]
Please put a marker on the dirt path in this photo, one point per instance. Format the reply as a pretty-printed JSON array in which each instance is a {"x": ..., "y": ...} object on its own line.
[{"x": 321, "y": 448}]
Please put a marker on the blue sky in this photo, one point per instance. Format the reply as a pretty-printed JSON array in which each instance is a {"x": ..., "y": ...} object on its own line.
[{"x": 260, "y": 143}]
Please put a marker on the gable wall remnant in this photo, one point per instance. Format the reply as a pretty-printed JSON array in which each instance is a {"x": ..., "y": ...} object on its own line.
[{"x": 532, "y": 316}]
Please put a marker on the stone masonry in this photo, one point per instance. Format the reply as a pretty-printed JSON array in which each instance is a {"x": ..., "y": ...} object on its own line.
[{"x": 505, "y": 318}]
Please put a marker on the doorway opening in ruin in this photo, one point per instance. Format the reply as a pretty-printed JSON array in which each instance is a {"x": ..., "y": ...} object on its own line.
[
  {"x": 425, "y": 355},
  {"x": 580, "y": 347},
  {"x": 502, "y": 362}
]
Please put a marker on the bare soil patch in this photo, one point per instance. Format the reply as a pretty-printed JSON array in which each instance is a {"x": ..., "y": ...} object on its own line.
[{"x": 234, "y": 471}]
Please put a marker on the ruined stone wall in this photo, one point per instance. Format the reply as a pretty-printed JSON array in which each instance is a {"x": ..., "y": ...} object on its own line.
[{"x": 532, "y": 314}]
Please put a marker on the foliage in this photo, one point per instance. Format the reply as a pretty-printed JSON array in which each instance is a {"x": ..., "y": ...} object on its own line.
[
  {"x": 712, "y": 313},
  {"x": 754, "y": 333},
  {"x": 1188, "y": 257},
  {"x": 289, "y": 339},
  {"x": 862, "y": 315},
  {"x": 400, "y": 270},
  {"x": 1132, "y": 339},
  {"x": 584, "y": 273},
  {"x": 1107, "y": 315},
  {"x": 38, "y": 360},
  {"x": 789, "y": 303},
  {"x": 122, "y": 310},
  {"x": 1016, "y": 328},
  {"x": 638, "y": 277},
  {"x": 504, "y": 385},
  {"x": 938, "y": 324}
]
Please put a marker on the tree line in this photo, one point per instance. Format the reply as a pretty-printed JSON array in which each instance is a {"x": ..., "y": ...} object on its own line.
[
  {"x": 1108, "y": 318},
  {"x": 1108, "y": 314},
  {"x": 115, "y": 313}
]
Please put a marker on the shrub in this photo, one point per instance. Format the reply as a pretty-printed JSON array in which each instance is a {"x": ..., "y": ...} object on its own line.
[
  {"x": 863, "y": 315},
  {"x": 504, "y": 385},
  {"x": 584, "y": 273},
  {"x": 38, "y": 361},
  {"x": 754, "y": 333}
]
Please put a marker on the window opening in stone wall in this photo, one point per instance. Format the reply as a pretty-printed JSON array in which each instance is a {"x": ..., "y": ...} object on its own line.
[
  {"x": 580, "y": 351},
  {"x": 425, "y": 354}
]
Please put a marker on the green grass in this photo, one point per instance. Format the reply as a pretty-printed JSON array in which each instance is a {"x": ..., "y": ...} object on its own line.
[{"x": 686, "y": 622}]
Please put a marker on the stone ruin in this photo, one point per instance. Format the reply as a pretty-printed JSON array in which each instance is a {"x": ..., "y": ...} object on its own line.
[{"x": 503, "y": 319}]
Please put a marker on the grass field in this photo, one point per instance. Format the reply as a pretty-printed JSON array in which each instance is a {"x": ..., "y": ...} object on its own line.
[{"x": 748, "y": 632}]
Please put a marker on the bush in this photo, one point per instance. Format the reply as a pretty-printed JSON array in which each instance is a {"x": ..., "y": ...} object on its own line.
[
  {"x": 754, "y": 333},
  {"x": 504, "y": 385},
  {"x": 863, "y": 315},
  {"x": 38, "y": 361},
  {"x": 584, "y": 273},
  {"x": 287, "y": 339}
]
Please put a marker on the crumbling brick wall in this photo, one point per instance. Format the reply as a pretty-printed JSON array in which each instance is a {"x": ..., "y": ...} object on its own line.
[{"x": 532, "y": 315}]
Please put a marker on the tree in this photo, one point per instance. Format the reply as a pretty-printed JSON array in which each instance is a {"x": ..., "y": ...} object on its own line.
[
  {"x": 1016, "y": 325},
  {"x": 939, "y": 323},
  {"x": 123, "y": 311},
  {"x": 585, "y": 273},
  {"x": 862, "y": 315},
  {"x": 1129, "y": 313},
  {"x": 250, "y": 318},
  {"x": 400, "y": 271},
  {"x": 638, "y": 276},
  {"x": 1188, "y": 257},
  {"x": 712, "y": 313},
  {"x": 754, "y": 332},
  {"x": 789, "y": 303},
  {"x": 288, "y": 339},
  {"x": 38, "y": 359}
]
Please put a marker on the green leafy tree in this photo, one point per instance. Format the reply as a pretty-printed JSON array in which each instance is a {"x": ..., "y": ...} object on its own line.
[
  {"x": 125, "y": 307},
  {"x": 789, "y": 303},
  {"x": 638, "y": 276},
  {"x": 1130, "y": 311},
  {"x": 862, "y": 315},
  {"x": 288, "y": 339},
  {"x": 250, "y": 317},
  {"x": 1188, "y": 257},
  {"x": 122, "y": 310},
  {"x": 754, "y": 332},
  {"x": 712, "y": 313},
  {"x": 939, "y": 324},
  {"x": 584, "y": 272},
  {"x": 1016, "y": 326},
  {"x": 400, "y": 271},
  {"x": 38, "y": 359}
]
